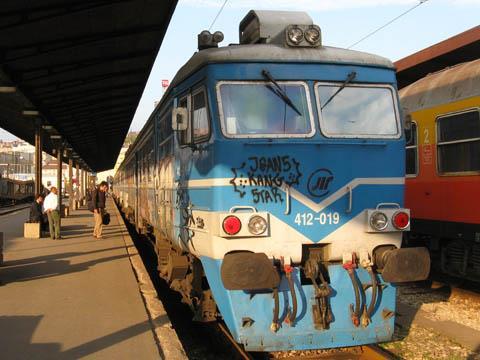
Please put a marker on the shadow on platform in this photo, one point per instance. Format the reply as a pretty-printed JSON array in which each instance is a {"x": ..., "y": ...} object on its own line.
[
  {"x": 20, "y": 340},
  {"x": 49, "y": 268}
]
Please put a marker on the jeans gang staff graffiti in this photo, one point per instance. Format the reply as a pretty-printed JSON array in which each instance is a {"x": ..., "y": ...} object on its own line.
[{"x": 264, "y": 176}]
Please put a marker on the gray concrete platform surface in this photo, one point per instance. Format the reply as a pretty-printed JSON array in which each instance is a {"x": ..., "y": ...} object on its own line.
[{"x": 77, "y": 297}]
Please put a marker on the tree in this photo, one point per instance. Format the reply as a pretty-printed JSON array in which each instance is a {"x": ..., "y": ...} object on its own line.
[{"x": 130, "y": 139}]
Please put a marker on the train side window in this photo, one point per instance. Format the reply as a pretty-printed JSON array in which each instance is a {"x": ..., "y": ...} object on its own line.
[
  {"x": 201, "y": 129},
  {"x": 185, "y": 136},
  {"x": 164, "y": 134},
  {"x": 458, "y": 144},
  {"x": 411, "y": 168}
]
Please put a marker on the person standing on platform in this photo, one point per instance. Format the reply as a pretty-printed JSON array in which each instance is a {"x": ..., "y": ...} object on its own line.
[
  {"x": 98, "y": 199},
  {"x": 52, "y": 208},
  {"x": 36, "y": 213}
]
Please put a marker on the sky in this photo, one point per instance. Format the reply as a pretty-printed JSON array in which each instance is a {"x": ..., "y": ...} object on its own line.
[{"x": 342, "y": 22}]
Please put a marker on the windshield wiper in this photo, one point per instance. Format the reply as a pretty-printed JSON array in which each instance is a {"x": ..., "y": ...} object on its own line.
[
  {"x": 349, "y": 78},
  {"x": 279, "y": 91}
]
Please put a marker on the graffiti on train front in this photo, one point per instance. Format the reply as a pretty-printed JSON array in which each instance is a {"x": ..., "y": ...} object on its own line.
[{"x": 263, "y": 177}]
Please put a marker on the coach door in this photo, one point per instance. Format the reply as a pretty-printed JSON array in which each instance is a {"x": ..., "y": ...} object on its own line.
[{"x": 192, "y": 162}]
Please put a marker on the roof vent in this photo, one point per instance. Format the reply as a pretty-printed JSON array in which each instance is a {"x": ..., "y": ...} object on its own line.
[{"x": 288, "y": 28}]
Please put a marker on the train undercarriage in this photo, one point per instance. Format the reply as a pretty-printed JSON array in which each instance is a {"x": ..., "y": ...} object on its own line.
[{"x": 459, "y": 258}]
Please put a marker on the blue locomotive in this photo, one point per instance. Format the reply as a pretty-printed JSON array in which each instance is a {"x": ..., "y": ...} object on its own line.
[{"x": 271, "y": 176}]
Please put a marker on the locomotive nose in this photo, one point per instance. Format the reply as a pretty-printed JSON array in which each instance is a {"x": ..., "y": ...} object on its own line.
[{"x": 402, "y": 265}]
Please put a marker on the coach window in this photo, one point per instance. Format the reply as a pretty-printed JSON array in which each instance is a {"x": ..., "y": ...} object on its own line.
[
  {"x": 164, "y": 134},
  {"x": 200, "y": 121},
  {"x": 458, "y": 145},
  {"x": 411, "y": 151}
]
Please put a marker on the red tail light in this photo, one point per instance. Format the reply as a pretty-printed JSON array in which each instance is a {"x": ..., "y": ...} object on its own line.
[
  {"x": 231, "y": 225},
  {"x": 401, "y": 220}
]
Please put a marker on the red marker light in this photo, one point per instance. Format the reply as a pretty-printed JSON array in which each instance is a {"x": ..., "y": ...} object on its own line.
[
  {"x": 232, "y": 225},
  {"x": 401, "y": 220}
]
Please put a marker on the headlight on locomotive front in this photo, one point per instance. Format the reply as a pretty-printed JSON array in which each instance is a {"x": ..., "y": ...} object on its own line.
[
  {"x": 378, "y": 221},
  {"x": 257, "y": 225}
]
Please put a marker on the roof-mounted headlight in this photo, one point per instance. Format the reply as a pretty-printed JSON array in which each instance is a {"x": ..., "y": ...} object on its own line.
[
  {"x": 217, "y": 37},
  {"x": 312, "y": 35},
  {"x": 303, "y": 36},
  {"x": 208, "y": 40},
  {"x": 295, "y": 34}
]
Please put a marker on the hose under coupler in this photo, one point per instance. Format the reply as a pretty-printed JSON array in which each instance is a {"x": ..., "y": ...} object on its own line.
[
  {"x": 293, "y": 315},
  {"x": 276, "y": 311},
  {"x": 355, "y": 312},
  {"x": 371, "y": 306}
]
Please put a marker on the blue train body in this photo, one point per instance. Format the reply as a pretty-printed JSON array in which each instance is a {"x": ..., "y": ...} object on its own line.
[{"x": 286, "y": 235}]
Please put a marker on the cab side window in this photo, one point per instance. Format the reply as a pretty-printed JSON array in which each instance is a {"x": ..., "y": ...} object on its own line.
[
  {"x": 184, "y": 137},
  {"x": 200, "y": 120}
]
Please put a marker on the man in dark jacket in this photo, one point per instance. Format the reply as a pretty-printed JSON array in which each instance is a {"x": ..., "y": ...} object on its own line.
[
  {"x": 98, "y": 198},
  {"x": 36, "y": 213}
]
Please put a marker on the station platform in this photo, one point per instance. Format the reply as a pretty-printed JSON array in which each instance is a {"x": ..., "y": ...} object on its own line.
[{"x": 78, "y": 297}]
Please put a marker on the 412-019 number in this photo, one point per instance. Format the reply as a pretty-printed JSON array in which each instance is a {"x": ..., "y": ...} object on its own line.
[{"x": 309, "y": 219}]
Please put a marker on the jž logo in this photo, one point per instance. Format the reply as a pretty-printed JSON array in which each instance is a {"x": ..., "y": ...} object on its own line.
[{"x": 319, "y": 181}]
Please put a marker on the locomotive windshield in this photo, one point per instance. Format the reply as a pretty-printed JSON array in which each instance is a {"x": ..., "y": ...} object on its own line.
[
  {"x": 357, "y": 111},
  {"x": 255, "y": 109}
]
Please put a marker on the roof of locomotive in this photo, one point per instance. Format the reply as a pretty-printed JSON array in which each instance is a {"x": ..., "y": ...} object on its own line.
[
  {"x": 451, "y": 84},
  {"x": 273, "y": 53}
]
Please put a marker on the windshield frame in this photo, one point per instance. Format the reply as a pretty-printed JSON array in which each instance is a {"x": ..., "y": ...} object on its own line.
[
  {"x": 393, "y": 92},
  {"x": 265, "y": 136}
]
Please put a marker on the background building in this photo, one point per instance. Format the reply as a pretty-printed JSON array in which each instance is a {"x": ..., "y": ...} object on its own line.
[{"x": 17, "y": 160}]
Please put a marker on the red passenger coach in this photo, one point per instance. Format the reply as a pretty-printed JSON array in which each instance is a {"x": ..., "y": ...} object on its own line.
[{"x": 443, "y": 166}]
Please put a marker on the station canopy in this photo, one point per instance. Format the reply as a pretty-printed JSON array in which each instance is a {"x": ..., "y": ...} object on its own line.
[
  {"x": 82, "y": 65},
  {"x": 455, "y": 50}
]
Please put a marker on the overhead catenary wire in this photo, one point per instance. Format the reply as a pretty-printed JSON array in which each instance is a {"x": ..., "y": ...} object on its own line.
[
  {"x": 218, "y": 14},
  {"x": 388, "y": 23}
]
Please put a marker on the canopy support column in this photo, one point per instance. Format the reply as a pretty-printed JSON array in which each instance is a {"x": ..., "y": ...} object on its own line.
[
  {"x": 38, "y": 156},
  {"x": 77, "y": 179},
  {"x": 70, "y": 183},
  {"x": 59, "y": 178}
]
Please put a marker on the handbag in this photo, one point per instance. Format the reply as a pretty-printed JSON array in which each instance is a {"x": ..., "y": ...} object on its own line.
[{"x": 106, "y": 218}]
